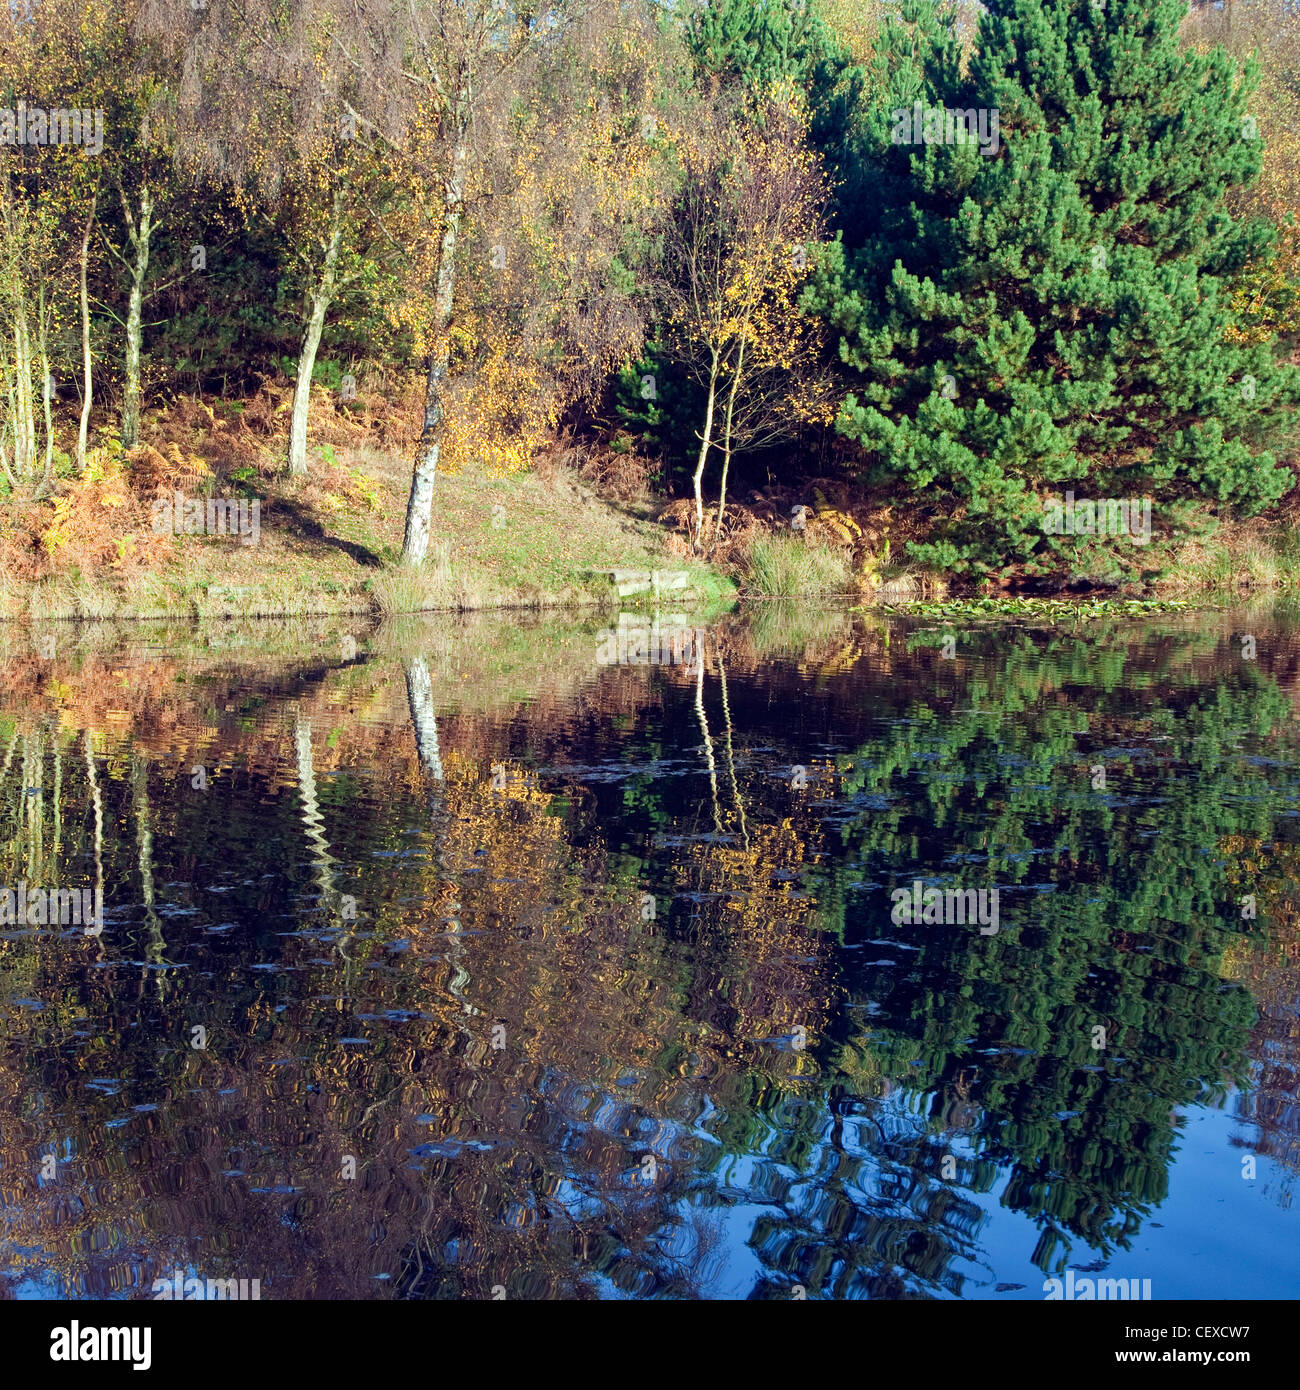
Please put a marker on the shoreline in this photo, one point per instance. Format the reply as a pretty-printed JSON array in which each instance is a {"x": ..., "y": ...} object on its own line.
[
  {"x": 713, "y": 604},
  {"x": 328, "y": 545}
]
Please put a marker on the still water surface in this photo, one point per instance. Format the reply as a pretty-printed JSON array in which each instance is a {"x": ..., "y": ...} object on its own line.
[{"x": 450, "y": 957}]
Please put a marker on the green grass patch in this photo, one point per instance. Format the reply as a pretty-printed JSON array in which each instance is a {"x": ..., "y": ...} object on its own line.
[{"x": 780, "y": 566}]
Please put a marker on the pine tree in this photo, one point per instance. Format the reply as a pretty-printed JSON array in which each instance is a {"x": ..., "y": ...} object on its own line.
[
  {"x": 759, "y": 46},
  {"x": 660, "y": 405},
  {"x": 1042, "y": 305}
]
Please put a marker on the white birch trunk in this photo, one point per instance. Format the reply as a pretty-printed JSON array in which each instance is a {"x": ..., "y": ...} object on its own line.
[
  {"x": 88, "y": 384},
  {"x": 139, "y": 233},
  {"x": 321, "y": 299},
  {"x": 705, "y": 439},
  {"x": 419, "y": 507}
]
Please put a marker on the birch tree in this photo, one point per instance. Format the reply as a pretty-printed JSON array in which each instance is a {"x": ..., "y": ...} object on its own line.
[
  {"x": 427, "y": 78},
  {"x": 304, "y": 162},
  {"x": 736, "y": 249},
  {"x": 460, "y": 52},
  {"x": 45, "y": 190}
]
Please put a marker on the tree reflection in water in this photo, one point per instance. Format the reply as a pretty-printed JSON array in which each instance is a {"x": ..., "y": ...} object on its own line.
[{"x": 524, "y": 976}]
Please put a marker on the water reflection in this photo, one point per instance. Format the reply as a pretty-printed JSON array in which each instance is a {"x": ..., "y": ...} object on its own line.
[{"x": 451, "y": 958}]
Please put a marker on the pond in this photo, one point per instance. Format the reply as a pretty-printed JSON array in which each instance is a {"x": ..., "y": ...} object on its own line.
[{"x": 804, "y": 953}]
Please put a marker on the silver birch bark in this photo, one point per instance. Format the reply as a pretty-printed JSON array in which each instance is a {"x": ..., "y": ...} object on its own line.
[
  {"x": 419, "y": 507},
  {"x": 321, "y": 299},
  {"x": 705, "y": 439},
  {"x": 87, "y": 391},
  {"x": 139, "y": 233}
]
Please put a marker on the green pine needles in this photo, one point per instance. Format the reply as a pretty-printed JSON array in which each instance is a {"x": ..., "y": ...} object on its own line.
[{"x": 1036, "y": 301}]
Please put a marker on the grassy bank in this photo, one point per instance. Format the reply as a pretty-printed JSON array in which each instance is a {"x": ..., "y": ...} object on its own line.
[
  {"x": 545, "y": 539},
  {"x": 1260, "y": 554},
  {"x": 330, "y": 544},
  {"x": 1231, "y": 560}
]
